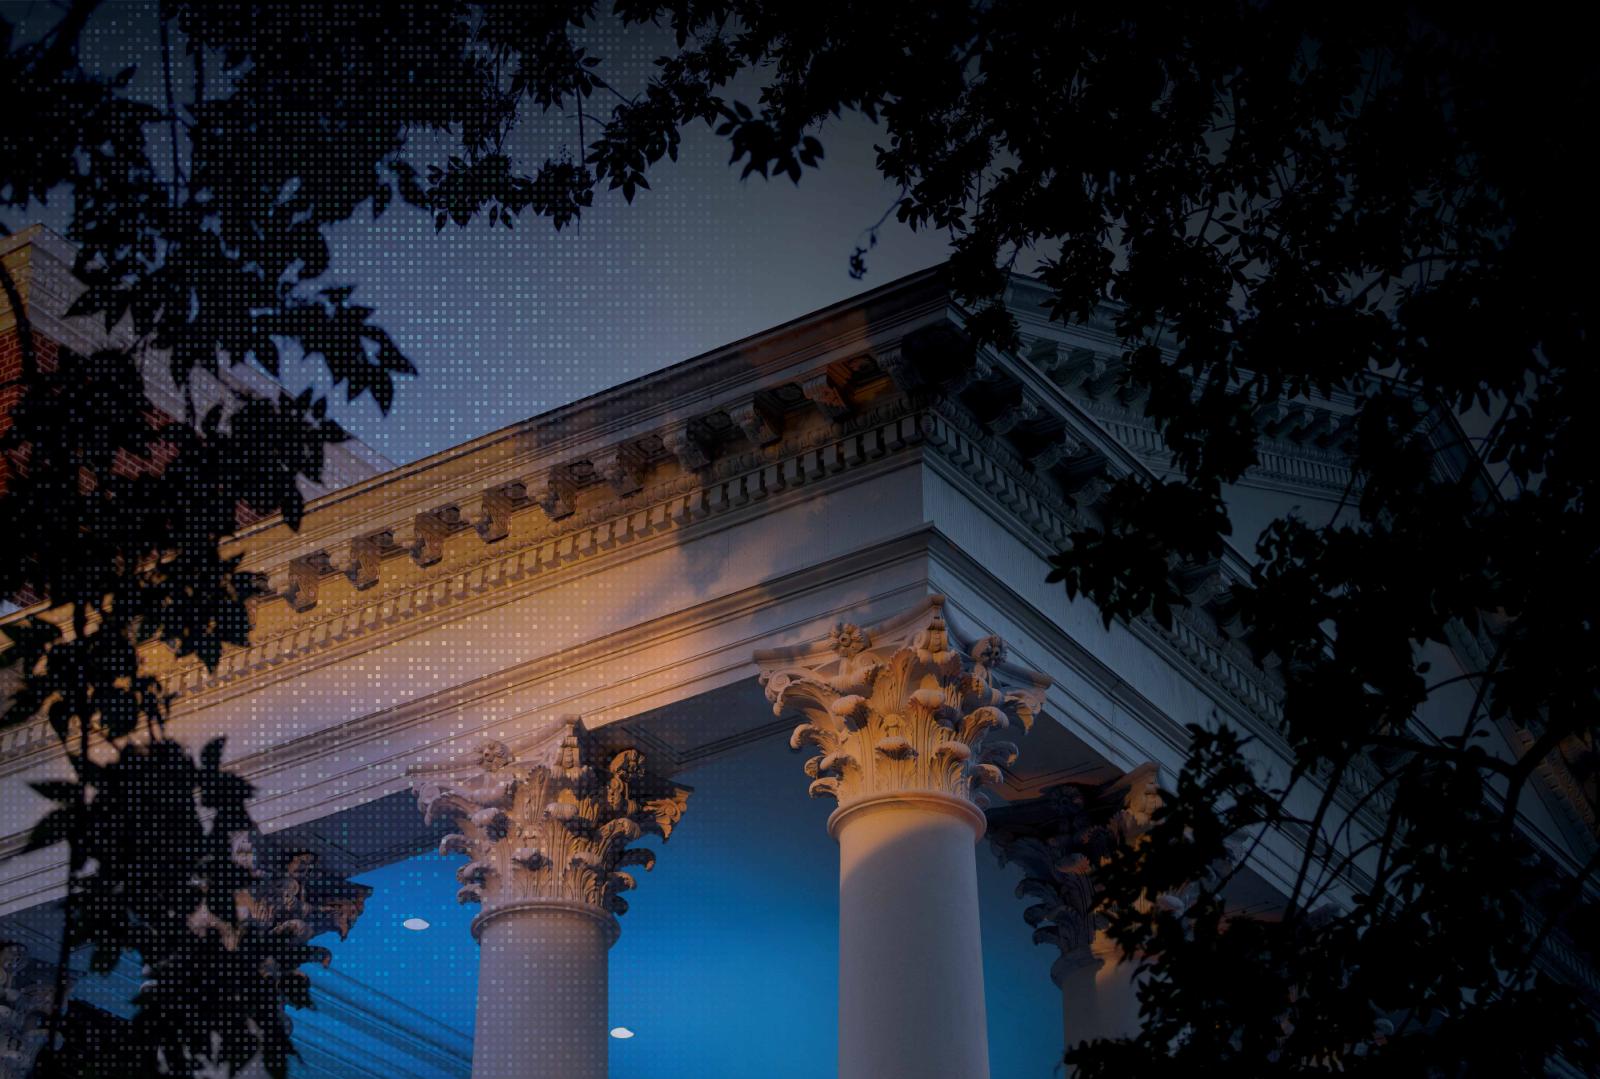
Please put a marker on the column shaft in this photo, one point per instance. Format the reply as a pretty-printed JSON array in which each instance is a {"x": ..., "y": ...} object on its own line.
[
  {"x": 542, "y": 995},
  {"x": 910, "y": 962},
  {"x": 1099, "y": 998},
  {"x": 546, "y": 834}
]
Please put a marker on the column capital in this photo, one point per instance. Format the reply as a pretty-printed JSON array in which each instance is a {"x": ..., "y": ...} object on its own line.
[
  {"x": 292, "y": 895},
  {"x": 903, "y": 709},
  {"x": 1059, "y": 839},
  {"x": 550, "y": 827}
]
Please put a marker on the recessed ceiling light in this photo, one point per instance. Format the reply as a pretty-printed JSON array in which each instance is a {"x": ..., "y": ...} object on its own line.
[
  {"x": 621, "y": 1032},
  {"x": 415, "y": 924}
]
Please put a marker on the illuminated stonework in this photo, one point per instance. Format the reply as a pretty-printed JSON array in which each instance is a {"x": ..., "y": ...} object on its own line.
[
  {"x": 904, "y": 715},
  {"x": 553, "y": 827}
]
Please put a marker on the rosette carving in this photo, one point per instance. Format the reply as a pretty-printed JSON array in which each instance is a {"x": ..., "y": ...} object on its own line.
[
  {"x": 557, "y": 826},
  {"x": 912, "y": 712}
]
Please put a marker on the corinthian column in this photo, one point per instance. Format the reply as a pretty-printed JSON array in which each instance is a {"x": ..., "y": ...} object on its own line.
[
  {"x": 1059, "y": 839},
  {"x": 546, "y": 837},
  {"x": 902, "y": 718}
]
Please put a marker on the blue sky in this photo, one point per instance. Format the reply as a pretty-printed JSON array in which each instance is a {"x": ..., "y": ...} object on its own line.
[
  {"x": 504, "y": 325},
  {"x": 728, "y": 958}
]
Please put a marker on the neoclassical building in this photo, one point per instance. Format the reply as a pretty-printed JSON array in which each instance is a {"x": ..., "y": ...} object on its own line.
[{"x": 528, "y": 653}]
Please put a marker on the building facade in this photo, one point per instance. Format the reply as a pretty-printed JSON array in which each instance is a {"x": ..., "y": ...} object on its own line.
[{"x": 834, "y": 532}]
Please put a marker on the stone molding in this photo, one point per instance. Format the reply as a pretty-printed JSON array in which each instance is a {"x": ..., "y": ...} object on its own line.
[
  {"x": 550, "y": 827},
  {"x": 340, "y": 596},
  {"x": 1281, "y": 462},
  {"x": 567, "y": 536},
  {"x": 902, "y": 709},
  {"x": 940, "y": 429},
  {"x": 956, "y": 438},
  {"x": 843, "y": 376},
  {"x": 964, "y": 808}
]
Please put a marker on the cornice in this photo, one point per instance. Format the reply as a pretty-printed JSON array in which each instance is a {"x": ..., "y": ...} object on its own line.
[
  {"x": 657, "y": 404},
  {"x": 1300, "y": 445},
  {"x": 665, "y": 512},
  {"x": 463, "y": 535},
  {"x": 1281, "y": 464},
  {"x": 473, "y": 574},
  {"x": 994, "y": 478},
  {"x": 970, "y": 458}
]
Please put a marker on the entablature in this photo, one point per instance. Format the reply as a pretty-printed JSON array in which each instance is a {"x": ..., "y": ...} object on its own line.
[{"x": 886, "y": 382}]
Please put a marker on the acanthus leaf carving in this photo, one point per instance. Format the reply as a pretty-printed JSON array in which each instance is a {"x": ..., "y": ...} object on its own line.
[
  {"x": 822, "y": 390},
  {"x": 903, "y": 715},
  {"x": 305, "y": 573},
  {"x": 552, "y": 826},
  {"x": 499, "y": 503},
  {"x": 691, "y": 451},
  {"x": 978, "y": 370},
  {"x": 554, "y": 491},
  {"x": 367, "y": 554},
  {"x": 291, "y": 895},
  {"x": 1023, "y": 411},
  {"x": 286, "y": 896},
  {"x": 1060, "y": 448},
  {"x": 758, "y": 423},
  {"x": 431, "y": 529},
  {"x": 621, "y": 467},
  {"x": 1060, "y": 839}
]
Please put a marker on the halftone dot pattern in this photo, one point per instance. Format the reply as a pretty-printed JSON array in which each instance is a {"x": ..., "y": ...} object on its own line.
[{"x": 726, "y": 964}]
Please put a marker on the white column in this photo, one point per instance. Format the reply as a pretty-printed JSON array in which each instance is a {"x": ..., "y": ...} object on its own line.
[
  {"x": 1099, "y": 995},
  {"x": 547, "y": 837},
  {"x": 542, "y": 992},
  {"x": 902, "y": 722},
  {"x": 1059, "y": 839},
  {"x": 910, "y": 965}
]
